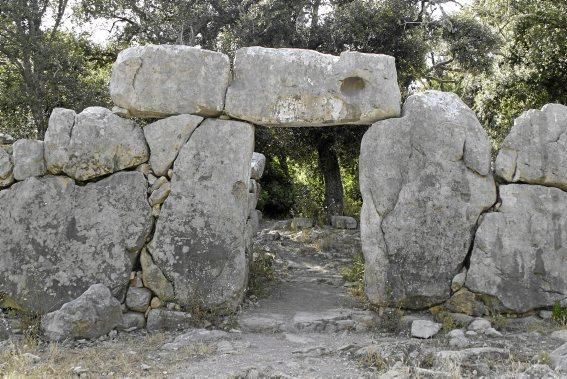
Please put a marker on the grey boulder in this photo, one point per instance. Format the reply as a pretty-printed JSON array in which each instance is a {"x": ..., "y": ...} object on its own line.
[
  {"x": 156, "y": 81},
  {"x": 519, "y": 251},
  {"x": 559, "y": 358},
  {"x": 93, "y": 314},
  {"x": 138, "y": 299},
  {"x": 28, "y": 159},
  {"x": 294, "y": 87},
  {"x": 425, "y": 179},
  {"x": 162, "y": 319},
  {"x": 199, "y": 243},
  {"x": 424, "y": 329},
  {"x": 535, "y": 151},
  {"x": 166, "y": 137},
  {"x": 257, "y": 166},
  {"x": 59, "y": 238},
  {"x": 98, "y": 143}
]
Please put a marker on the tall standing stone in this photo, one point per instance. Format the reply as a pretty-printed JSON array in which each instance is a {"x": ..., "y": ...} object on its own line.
[
  {"x": 425, "y": 179},
  {"x": 199, "y": 242},
  {"x": 156, "y": 81},
  {"x": 535, "y": 151},
  {"x": 59, "y": 238},
  {"x": 520, "y": 251},
  {"x": 294, "y": 87}
]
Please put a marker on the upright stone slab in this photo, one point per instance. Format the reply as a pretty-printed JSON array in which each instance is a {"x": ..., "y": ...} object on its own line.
[
  {"x": 28, "y": 159},
  {"x": 99, "y": 143},
  {"x": 59, "y": 238},
  {"x": 57, "y": 139},
  {"x": 6, "y": 166},
  {"x": 162, "y": 80},
  {"x": 425, "y": 179},
  {"x": 520, "y": 251},
  {"x": 293, "y": 87},
  {"x": 199, "y": 242},
  {"x": 535, "y": 151}
]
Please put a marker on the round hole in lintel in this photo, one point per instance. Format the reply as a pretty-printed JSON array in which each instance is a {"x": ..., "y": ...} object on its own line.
[{"x": 352, "y": 85}]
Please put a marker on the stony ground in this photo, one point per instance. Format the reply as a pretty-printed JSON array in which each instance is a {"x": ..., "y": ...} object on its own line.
[{"x": 307, "y": 321}]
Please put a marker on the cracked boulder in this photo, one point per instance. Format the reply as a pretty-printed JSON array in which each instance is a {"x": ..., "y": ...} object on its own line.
[
  {"x": 199, "y": 243},
  {"x": 535, "y": 151},
  {"x": 59, "y": 238},
  {"x": 294, "y": 87},
  {"x": 425, "y": 179},
  {"x": 155, "y": 81},
  {"x": 520, "y": 251},
  {"x": 93, "y": 143}
]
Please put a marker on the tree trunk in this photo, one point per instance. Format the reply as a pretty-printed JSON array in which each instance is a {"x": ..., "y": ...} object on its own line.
[{"x": 329, "y": 166}]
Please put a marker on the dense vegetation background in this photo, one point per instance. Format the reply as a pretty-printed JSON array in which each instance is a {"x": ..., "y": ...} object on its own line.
[{"x": 501, "y": 56}]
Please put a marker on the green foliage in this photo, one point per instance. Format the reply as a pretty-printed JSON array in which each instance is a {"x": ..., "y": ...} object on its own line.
[
  {"x": 261, "y": 273},
  {"x": 559, "y": 314}
]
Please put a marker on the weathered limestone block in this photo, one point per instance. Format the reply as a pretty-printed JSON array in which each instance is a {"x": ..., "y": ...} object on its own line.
[
  {"x": 57, "y": 139},
  {"x": 425, "y": 179},
  {"x": 59, "y": 238},
  {"x": 138, "y": 299},
  {"x": 535, "y": 151},
  {"x": 98, "y": 143},
  {"x": 6, "y": 166},
  {"x": 93, "y": 314},
  {"x": 293, "y": 87},
  {"x": 166, "y": 137},
  {"x": 199, "y": 242},
  {"x": 520, "y": 251},
  {"x": 154, "y": 279},
  {"x": 28, "y": 159},
  {"x": 163, "y": 80}
]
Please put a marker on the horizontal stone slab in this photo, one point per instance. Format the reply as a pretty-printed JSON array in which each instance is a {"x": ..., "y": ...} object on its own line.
[
  {"x": 157, "y": 81},
  {"x": 294, "y": 87}
]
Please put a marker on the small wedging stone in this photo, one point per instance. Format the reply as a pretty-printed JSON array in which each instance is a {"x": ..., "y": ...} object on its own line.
[
  {"x": 425, "y": 180},
  {"x": 93, "y": 314},
  {"x": 138, "y": 299},
  {"x": 132, "y": 320},
  {"x": 162, "y": 319},
  {"x": 294, "y": 87},
  {"x": 535, "y": 150},
  {"x": 59, "y": 238},
  {"x": 519, "y": 251},
  {"x": 28, "y": 159},
  {"x": 6, "y": 166},
  {"x": 154, "y": 279},
  {"x": 93, "y": 143},
  {"x": 479, "y": 325},
  {"x": 458, "y": 281},
  {"x": 424, "y": 329},
  {"x": 158, "y": 196},
  {"x": 257, "y": 166},
  {"x": 155, "y": 81},
  {"x": 343, "y": 222},
  {"x": 166, "y": 137}
]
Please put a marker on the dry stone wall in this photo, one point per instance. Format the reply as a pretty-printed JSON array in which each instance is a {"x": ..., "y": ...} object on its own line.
[{"x": 163, "y": 216}]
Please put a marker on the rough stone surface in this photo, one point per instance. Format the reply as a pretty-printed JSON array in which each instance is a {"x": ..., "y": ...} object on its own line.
[
  {"x": 301, "y": 223},
  {"x": 479, "y": 325},
  {"x": 258, "y": 165},
  {"x": 424, "y": 328},
  {"x": 6, "y": 139},
  {"x": 166, "y": 137},
  {"x": 535, "y": 151},
  {"x": 425, "y": 179},
  {"x": 97, "y": 144},
  {"x": 560, "y": 335},
  {"x": 6, "y": 166},
  {"x": 132, "y": 320},
  {"x": 199, "y": 243},
  {"x": 59, "y": 238},
  {"x": 465, "y": 302},
  {"x": 138, "y": 299},
  {"x": 293, "y": 87},
  {"x": 28, "y": 159},
  {"x": 197, "y": 336},
  {"x": 93, "y": 314},
  {"x": 559, "y": 358},
  {"x": 162, "y": 319},
  {"x": 343, "y": 222},
  {"x": 158, "y": 81},
  {"x": 458, "y": 281},
  {"x": 519, "y": 251},
  {"x": 154, "y": 279}
]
